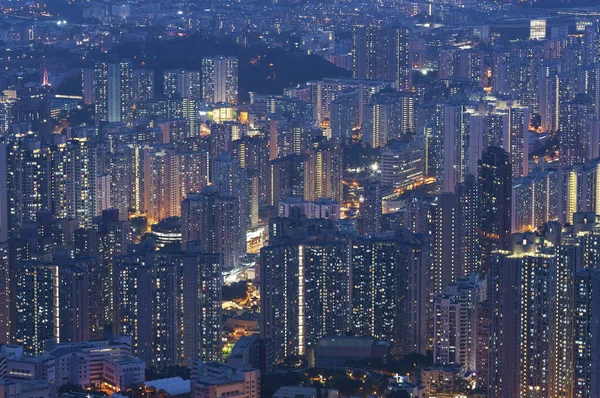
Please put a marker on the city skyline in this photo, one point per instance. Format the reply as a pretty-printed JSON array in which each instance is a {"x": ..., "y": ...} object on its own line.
[{"x": 281, "y": 198}]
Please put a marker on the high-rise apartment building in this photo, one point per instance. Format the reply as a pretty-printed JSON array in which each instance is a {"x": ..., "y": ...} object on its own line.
[
  {"x": 113, "y": 92},
  {"x": 382, "y": 53},
  {"x": 324, "y": 92},
  {"x": 551, "y": 88},
  {"x": 592, "y": 43},
  {"x": 49, "y": 301},
  {"x": 415, "y": 315},
  {"x": 468, "y": 196},
  {"x": 536, "y": 295},
  {"x": 253, "y": 153},
  {"x": 495, "y": 194},
  {"x": 162, "y": 183},
  {"x": 455, "y": 322},
  {"x": 142, "y": 85},
  {"x": 25, "y": 167},
  {"x": 375, "y": 305},
  {"x": 191, "y": 112},
  {"x": 220, "y": 80},
  {"x": 446, "y": 230},
  {"x": 202, "y": 305},
  {"x": 232, "y": 181},
  {"x": 579, "y": 131},
  {"x": 343, "y": 119},
  {"x": 126, "y": 190},
  {"x": 287, "y": 178},
  {"x": 214, "y": 220},
  {"x": 534, "y": 200},
  {"x": 587, "y": 338},
  {"x": 568, "y": 257},
  {"x": 390, "y": 115},
  {"x": 87, "y": 86},
  {"x": 390, "y": 290},
  {"x": 165, "y": 329},
  {"x": 516, "y": 365},
  {"x": 305, "y": 285},
  {"x": 324, "y": 173},
  {"x": 75, "y": 169},
  {"x": 516, "y": 140},
  {"x": 534, "y": 326},
  {"x": 181, "y": 83},
  {"x": 371, "y": 208},
  {"x": 453, "y": 133},
  {"x": 33, "y": 314},
  {"x": 100, "y": 93}
]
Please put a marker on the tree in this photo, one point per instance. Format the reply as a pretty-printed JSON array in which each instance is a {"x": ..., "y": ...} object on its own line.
[
  {"x": 69, "y": 388},
  {"x": 398, "y": 394}
]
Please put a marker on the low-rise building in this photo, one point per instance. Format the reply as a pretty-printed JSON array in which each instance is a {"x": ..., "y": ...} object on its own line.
[
  {"x": 215, "y": 379},
  {"x": 122, "y": 372},
  {"x": 68, "y": 365},
  {"x": 82, "y": 364},
  {"x": 402, "y": 384},
  {"x": 26, "y": 389},
  {"x": 436, "y": 378}
]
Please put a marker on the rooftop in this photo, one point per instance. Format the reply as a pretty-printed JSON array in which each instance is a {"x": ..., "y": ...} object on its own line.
[
  {"x": 216, "y": 373},
  {"x": 125, "y": 360},
  {"x": 172, "y": 385}
]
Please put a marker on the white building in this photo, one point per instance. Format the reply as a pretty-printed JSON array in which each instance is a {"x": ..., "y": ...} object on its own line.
[
  {"x": 403, "y": 163},
  {"x": 174, "y": 386},
  {"x": 220, "y": 80},
  {"x": 537, "y": 29},
  {"x": 122, "y": 372},
  {"x": 214, "y": 379},
  {"x": 83, "y": 364}
]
